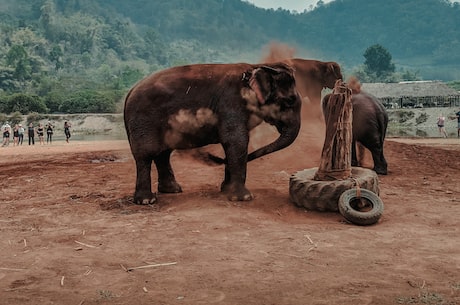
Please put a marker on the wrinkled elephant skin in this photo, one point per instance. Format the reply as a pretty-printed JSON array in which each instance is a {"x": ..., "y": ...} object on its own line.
[{"x": 196, "y": 105}]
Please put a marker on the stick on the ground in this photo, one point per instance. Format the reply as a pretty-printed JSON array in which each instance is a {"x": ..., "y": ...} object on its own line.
[
  {"x": 151, "y": 266},
  {"x": 86, "y": 245},
  {"x": 12, "y": 269}
]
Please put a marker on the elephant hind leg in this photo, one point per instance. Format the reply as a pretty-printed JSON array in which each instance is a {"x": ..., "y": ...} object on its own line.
[
  {"x": 354, "y": 158},
  {"x": 361, "y": 150},
  {"x": 380, "y": 164},
  {"x": 166, "y": 180},
  {"x": 143, "y": 193}
]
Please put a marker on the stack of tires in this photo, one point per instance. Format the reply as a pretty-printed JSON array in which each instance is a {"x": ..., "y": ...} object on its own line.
[{"x": 355, "y": 198}]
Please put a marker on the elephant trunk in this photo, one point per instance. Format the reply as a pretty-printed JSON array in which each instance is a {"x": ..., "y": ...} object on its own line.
[
  {"x": 287, "y": 136},
  {"x": 288, "y": 133}
]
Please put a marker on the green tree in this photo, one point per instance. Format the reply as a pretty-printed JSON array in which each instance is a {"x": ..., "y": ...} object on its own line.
[
  {"x": 25, "y": 103},
  {"x": 55, "y": 56},
  {"x": 18, "y": 59},
  {"x": 378, "y": 62},
  {"x": 7, "y": 80},
  {"x": 88, "y": 101}
]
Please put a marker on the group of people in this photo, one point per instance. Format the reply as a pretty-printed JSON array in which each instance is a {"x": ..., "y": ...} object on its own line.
[
  {"x": 442, "y": 121},
  {"x": 18, "y": 133}
]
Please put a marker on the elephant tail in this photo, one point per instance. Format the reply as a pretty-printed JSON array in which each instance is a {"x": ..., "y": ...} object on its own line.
[{"x": 216, "y": 159}]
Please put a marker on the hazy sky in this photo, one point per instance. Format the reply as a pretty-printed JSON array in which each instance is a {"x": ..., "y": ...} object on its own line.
[{"x": 297, "y": 5}]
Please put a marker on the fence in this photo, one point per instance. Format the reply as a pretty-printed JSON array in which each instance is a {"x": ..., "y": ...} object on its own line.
[{"x": 421, "y": 102}]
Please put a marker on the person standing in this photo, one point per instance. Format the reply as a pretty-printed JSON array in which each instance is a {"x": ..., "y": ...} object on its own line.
[
  {"x": 6, "y": 135},
  {"x": 41, "y": 133},
  {"x": 21, "y": 134},
  {"x": 16, "y": 135},
  {"x": 31, "y": 133},
  {"x": 67, "y": 131},
  {"x": 49, "y": 132},
  {"x": 441, "y": 126},
  {"x": 458, "y": 123}
]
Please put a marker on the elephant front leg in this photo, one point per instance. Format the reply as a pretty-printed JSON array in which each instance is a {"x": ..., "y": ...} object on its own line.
[
  {"x": 235, "y": 173},
  {"x": 235, "y": 187},
  {"x": 143, "y": 193}
]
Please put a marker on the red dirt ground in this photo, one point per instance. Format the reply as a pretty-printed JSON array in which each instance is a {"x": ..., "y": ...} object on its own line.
[{"x": 69, "y": 233}]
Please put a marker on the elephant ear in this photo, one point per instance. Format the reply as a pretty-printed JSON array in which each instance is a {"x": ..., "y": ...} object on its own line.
[
  {"x": 260, "y": 84},
  {"x": 265, "y": 80},
  {"x": 331, "y": 74}
]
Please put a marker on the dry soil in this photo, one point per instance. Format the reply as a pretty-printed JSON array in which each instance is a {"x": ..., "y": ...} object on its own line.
[{"x": 70, "y": 235}]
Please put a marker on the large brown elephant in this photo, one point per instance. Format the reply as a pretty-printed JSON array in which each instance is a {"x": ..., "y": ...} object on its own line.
[
  {"x": 192, "y": 106},
  {"x": 312, "y": 76}
]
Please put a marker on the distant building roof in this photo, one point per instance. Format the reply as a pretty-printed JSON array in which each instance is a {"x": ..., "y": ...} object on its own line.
[{"x": 414, "y": 89}]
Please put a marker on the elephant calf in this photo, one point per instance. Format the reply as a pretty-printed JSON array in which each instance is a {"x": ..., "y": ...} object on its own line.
[
  {"x": 196, "y": 105},
  {"x": 370, "y": 121}
]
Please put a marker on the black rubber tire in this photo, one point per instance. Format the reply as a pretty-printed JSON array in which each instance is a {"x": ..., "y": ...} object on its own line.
[
  {"x": 355, "y": 216},
  {"x": 324, "y": 195}
]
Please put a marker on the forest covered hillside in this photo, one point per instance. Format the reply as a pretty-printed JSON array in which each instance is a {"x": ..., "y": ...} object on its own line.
[{"x": 68, "y": 51}]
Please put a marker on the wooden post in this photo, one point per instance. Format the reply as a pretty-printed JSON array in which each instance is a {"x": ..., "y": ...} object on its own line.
[{"x": 335, "y": 161}]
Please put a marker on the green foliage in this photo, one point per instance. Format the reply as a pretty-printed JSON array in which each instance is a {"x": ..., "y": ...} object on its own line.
[
  {"x": 61, "y": 50},
  {"x": 454, "y": 84},
  {"x": 378, "y": 62},
  {"x": 24, "y": 103},
  {"x": 89, "y": 102},
  {"x": 422, "y": 118},
  {"x": 404, "y": 116}
]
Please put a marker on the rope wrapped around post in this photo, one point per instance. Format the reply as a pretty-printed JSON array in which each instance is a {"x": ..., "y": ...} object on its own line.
[{"x": 335, "y": 161}]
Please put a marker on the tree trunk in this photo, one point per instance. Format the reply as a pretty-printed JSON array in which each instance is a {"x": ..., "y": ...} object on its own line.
[{"x": 336, "y": 155}]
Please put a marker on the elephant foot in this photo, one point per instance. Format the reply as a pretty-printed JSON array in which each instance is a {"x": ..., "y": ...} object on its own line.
[
  {"x": 240, "y": 197},
  {"x": 145, "y": 200},
  {"x": 380, "y": 171},
  {"x": 169, "y": 187},
  {"x": 236, "y": 193}
]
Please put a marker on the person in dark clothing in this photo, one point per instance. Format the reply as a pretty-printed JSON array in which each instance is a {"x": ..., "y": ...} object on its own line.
[
  {"x": 49, "y": 132},
  {"x": 41, "y": 133},
  {"x": 458, "y": 123},
  {"x": 67, "y": 131},
  {"x": 6, "y": 136},
  {"x": 16, "y": 135},
  {"x": 31, "y": 133}
]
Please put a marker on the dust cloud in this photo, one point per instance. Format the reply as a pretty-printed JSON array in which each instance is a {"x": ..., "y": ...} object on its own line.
[
  {"x": 277, "y": 52},
  {"x": 313, "y": 126},
  {"x": 354, "y": 84}
]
